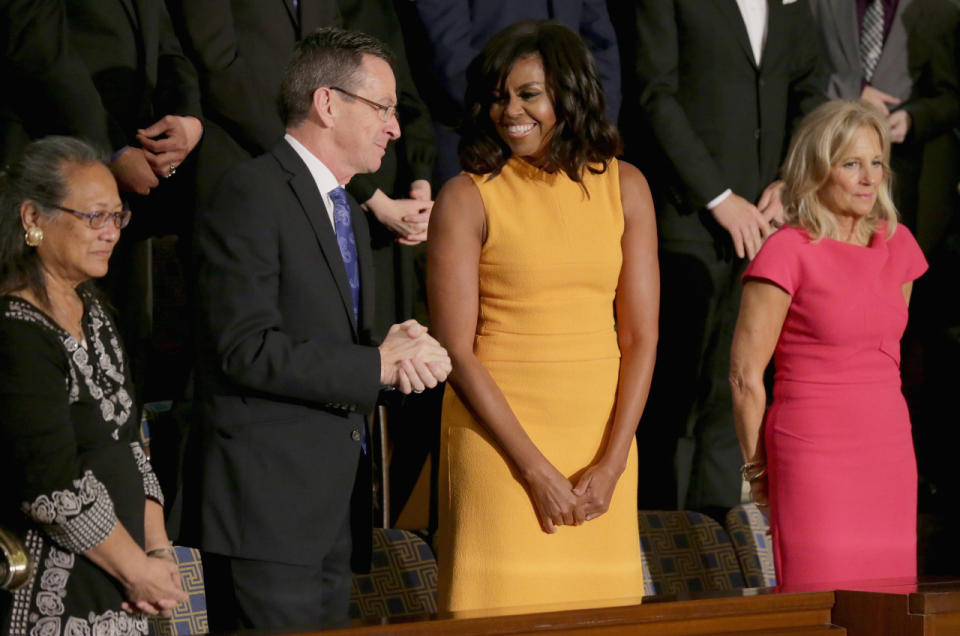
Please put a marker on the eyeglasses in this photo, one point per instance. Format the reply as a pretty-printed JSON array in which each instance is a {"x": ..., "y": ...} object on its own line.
[
  {"x": 98, "y": 220},
  {"x": 386, "y": 112}
]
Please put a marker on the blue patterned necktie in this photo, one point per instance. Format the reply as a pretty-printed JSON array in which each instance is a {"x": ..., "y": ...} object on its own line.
[{"x": 348, "y": 245}]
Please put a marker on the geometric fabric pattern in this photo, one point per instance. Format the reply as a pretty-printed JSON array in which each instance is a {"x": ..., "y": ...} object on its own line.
[
  {"x": 402, "y": 578},
  {"x": 748, "y": 530},
  {"x": 687, "y": 552},
  {"x": 148, "y": 415},
  {"x": 189, "y": 617}
]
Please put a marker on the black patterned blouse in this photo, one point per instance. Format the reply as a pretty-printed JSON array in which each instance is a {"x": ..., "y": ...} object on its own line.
[{"x": 71, "y": 466}]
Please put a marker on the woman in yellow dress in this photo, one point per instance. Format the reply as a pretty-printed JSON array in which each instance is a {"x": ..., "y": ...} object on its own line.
[{"x": 543, "y": 285}]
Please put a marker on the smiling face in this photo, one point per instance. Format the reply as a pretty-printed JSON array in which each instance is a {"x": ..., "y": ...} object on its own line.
[
  {"x": 522, "y": 111},
  {"x": 71, "y": 250},
  {"x": 855, "y": 179},
  {"x": 362, "y": 135}
]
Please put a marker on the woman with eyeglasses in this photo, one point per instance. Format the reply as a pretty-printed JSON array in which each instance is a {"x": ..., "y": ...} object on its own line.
[{"x": 77, "y": 486}]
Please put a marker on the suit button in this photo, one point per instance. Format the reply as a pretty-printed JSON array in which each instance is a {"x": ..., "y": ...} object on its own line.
[
  {"x": 355, "y": 436},
  {"x": 761, "y": 83},
  {"x": 756, "y": 133}
]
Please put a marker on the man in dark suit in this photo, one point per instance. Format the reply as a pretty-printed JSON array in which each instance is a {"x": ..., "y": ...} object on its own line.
[
  {"x": 720, "y": 82},
  {"x": 287, "y": 368},
  {"x": 458, "y": 29},
  {"x": 912, "y": 76}
]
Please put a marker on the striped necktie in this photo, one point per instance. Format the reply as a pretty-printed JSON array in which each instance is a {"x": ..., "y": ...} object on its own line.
[{"x": 871, "y": 38}]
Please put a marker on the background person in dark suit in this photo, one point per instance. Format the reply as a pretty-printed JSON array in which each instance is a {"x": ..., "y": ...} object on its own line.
[
  {"x": 115, "y": 70},
  {"x": 49, "y": 89},
  {"x": 287, "y": 366},
  {"x": 720, "y": 83}
]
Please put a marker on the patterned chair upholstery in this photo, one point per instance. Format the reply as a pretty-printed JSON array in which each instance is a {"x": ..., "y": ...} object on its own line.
[
  {"x": 687, "y": 552},
  {"x": 402, "y": 578},
  {"x": 748, "y": 529},
  {"x": 189, "y": 617}
]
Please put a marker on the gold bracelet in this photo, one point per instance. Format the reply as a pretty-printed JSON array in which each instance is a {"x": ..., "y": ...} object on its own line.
[{"x": 752, "y": 471}]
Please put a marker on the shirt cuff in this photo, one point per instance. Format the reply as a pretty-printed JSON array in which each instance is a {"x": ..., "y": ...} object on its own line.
[
  {"x": 117, "y": 154},
  {"x": 720, "y": 198}
]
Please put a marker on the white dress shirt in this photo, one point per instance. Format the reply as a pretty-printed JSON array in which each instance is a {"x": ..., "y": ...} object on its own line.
[
  {"x": 754, "y": 14},
  {"x": 321, "y": 174}
]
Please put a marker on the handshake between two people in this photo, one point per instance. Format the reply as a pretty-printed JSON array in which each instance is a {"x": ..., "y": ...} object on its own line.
[{"x": 411, "y": 360}]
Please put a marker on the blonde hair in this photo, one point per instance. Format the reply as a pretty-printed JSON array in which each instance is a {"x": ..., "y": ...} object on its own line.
[{"x": 820, "y": 141}]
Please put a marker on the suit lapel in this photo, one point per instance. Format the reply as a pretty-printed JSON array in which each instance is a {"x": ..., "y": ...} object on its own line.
[
  {"x": 131, "y": 11},
  {"x": 292, "y": 14},
  {"x": 734, "y": 18},
  {"x": 844, "y": 13},
  {"x": 311, "y": 203}
]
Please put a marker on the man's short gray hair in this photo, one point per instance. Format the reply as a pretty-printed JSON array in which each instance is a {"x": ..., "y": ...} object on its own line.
[{"x": 327, "y": 57}]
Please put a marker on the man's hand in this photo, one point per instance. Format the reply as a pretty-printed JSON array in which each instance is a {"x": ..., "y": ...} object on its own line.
[
  {"x": 411, "y": 360},
  {"x": 407, "y": 218},
  {"x": 899, "y": 125},
  {"x": 879, "y": 99},
  {"x": 133, "y": 172},
  {"x": 420, "y": 190},
  {"x": 169, "y": 141},
  {"x": 743, "y": 221},
  {"x": 771, "y": 205}
]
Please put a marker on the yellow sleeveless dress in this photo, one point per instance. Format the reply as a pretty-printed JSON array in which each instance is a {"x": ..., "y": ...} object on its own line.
[{"x": 545, "y": 332}]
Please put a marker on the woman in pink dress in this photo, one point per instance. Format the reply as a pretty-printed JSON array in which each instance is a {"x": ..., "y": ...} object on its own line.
[{"x": 827, "y": 297}]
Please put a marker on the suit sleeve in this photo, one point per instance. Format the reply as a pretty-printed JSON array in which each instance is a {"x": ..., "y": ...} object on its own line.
[
  {"x": 231, "y": 99},
  {"x": 657, "y": 70},
  {"x": 597, "y": 31},
  {"x": 448, "y": 27},
  {"x": 178, "y": 90},
  {"x": 239, "y": 248},
  {"x": 938, "y": 109},
  {"x": 55, "y": 93}
]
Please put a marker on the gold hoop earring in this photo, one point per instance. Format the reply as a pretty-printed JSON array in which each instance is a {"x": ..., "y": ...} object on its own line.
[{"x": 33, "y": 236}]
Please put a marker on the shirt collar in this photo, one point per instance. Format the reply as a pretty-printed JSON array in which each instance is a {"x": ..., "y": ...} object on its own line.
[{"x": 321, "y": 174}]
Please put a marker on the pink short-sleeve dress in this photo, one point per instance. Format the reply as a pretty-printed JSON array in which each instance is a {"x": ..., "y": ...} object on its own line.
[{"x": 841, "y": 465}]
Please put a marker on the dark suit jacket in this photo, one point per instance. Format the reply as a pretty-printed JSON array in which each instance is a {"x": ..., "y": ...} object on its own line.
[
  {"x": 719, "y": 120},
  {"x": 112, "y": 65},
  {"x": 284, "y": 375},
  {"x": 918, "y": 63},
  {"x": 53, "y": 94}
]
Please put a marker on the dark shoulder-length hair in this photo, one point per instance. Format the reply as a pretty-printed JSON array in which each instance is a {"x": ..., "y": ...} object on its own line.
[
  {"x": 583, "y": 138},
  {"x": 40, "y": 176}
]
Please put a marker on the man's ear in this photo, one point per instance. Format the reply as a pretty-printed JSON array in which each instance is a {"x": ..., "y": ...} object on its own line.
[{"x": 324, "y": 106}]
